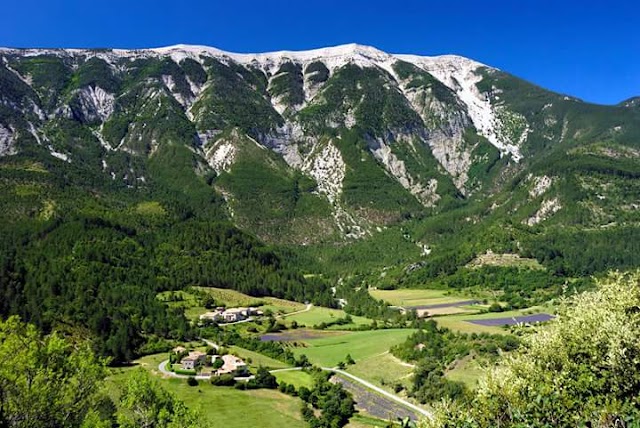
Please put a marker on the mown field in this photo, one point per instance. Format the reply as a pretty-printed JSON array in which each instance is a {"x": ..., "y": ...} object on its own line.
[
  {"x": 383, "y": 370},
  {"x": 296, "y": 378},
  {"x": 415, "y": 297},
  {"x": 231, "y": 408},
  {"x": 317, "y": 315},
  {"x": 222, "y": 406},
  {"x": 255, "y": 359},
  {"x": 329, "y": 351}
]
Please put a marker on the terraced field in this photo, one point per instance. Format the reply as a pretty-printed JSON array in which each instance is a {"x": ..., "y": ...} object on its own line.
[{"x": 413, "y": 297}]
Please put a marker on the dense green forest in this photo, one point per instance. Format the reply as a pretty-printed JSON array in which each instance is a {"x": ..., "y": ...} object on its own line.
[{"x": 91, "y": 259}]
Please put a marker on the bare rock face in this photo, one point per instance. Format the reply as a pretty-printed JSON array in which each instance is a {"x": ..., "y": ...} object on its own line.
[
  {"x": 7, "y": 141},
  {"x": 94, "y": 104}
]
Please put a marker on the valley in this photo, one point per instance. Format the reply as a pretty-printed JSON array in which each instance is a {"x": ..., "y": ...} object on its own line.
[{"x": 366, "y": 233}]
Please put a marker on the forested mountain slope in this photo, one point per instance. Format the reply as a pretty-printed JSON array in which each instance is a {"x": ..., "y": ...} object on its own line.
[{"x": 126, "y": 173}]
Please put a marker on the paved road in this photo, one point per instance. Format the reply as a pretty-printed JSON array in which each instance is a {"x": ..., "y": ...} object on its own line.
[
  {"x": 210, "y": 343},
  {"x": 163, "y": 369},
  {"x": 383, "y": 392},
  {"x": 307, "y": 309},
  {"x": 370, "y": 386}
]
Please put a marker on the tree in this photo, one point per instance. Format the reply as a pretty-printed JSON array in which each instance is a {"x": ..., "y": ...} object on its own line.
[
  {"x": 144, "y": 403},
  {"x": 581, "y": 370},
  {"x": 264, "y": 379},
  {"x": 46, "y": 381}
]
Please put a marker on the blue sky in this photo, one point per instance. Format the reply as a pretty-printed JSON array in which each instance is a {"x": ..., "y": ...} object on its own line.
[{"x": 589, "y": 49}]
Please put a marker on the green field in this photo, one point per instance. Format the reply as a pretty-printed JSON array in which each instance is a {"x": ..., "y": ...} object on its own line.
[
  {"x": 382, "y": 370},
  {"x": 296, "y": 378},
  {"x": 467, "y": 371},
  {"x": 256, "y": 360},
  {"x": 415, "y": 297},
  {"x": 362, "y": 421},
  {"x": 318, "y": 315},
  {"x": 222, "y": 406},
  {"x": 329, "y": 351}
]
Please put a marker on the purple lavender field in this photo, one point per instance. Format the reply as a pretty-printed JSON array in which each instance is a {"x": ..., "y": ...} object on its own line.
[{"x": 498, "y": 322}]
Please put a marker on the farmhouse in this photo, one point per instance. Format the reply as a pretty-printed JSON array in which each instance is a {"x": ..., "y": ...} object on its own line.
[
  {"x": 212, "y": 316},
  {"x": 235, "y": 314},
  {"x": 232, "y": 365},
  {"x": 193, "y": 360},
  {"x": 230, "y": 315}
]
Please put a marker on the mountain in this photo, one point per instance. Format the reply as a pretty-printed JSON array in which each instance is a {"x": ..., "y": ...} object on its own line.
[
  {"x": 301, "y": 175},
  {"x": 310, "y": 146}
]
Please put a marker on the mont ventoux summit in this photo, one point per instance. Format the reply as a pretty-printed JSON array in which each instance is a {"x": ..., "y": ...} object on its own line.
[{"x": 325, "y": 238}]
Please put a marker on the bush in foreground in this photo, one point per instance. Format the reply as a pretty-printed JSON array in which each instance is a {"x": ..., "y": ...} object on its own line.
[{"x": 581, "y": 370}]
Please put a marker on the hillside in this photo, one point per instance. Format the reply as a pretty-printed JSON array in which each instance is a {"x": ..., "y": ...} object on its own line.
[{"x": 132, "y": 172}]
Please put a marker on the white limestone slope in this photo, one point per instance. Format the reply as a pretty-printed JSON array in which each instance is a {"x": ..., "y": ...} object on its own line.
[
  {"x": 96, "y": 103},
  {"x": 426, "y": 193},
  {"x": 458, "y": 73},
  {"x": 7, "y": 140},
  {"x": 461, "y": 75},
  {"x": 328, "y": 168}
]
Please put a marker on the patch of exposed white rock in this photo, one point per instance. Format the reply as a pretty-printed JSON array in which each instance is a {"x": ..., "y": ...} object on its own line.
[
  {"x": 425, "y": 192},
  {"x": 539, "y": 185},
  {"x": 444, "y": 125},
  {"x": 7, "y": 140},
  {"x": 548, "y": 207}
]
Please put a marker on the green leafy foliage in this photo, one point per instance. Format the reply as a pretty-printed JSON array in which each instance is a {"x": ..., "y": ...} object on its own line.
[
  {"x": 434, "y": 349},
  {"x": 144, "y": 403},
  {"x": 47, "y": 381},
  {"x": 334, "y": 404},
  {"x": 579, "y": 370}
]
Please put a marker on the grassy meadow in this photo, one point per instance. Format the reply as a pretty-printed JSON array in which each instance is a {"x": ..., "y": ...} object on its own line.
[
  {"x": 382, "y": 370},
  {"x": 228, "y": 298},
  {"x": 220, "y": 406},
  {"x": 296, "y": 378},
  {"x": 317, "y": 315},
  {"x": 415, "y": 297},
  {"x": 329, "y": 351}
]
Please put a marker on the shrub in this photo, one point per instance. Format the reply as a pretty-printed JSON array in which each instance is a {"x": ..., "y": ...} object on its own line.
[
  {"x": 581, "y": 370},
  {"x": 495, "y": 307},
  {"x": 223, "y": 380},
  {"x": 192, "y": 381}
]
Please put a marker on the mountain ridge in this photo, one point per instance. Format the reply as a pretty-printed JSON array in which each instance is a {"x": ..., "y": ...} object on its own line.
[{"x": 376, "y": 137}]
